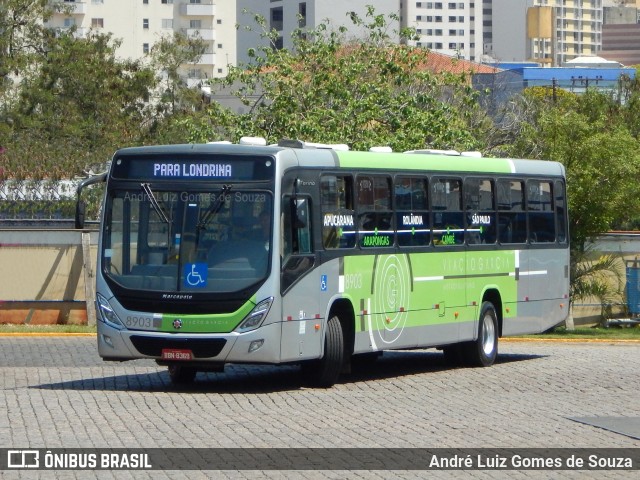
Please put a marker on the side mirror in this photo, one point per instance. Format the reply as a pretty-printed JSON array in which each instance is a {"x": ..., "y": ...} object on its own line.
[
  {"x": 80, "y": 214},
  {"x": 302, "y": 213}
]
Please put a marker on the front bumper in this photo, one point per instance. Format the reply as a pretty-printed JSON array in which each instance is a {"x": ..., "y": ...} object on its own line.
[{"x": 114, "y": 344}]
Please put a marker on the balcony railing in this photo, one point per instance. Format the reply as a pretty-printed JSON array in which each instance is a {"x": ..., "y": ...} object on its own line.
[
  {"x": 207, "y": 59},
  {"x": 76, "y": 8},
  {"x": 204, "y": 33},
  {"x": 205, "y": 8}
]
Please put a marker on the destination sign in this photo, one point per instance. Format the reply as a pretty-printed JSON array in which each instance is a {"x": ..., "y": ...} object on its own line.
[
  {"x": 201, "y": 170},
  {"x": 192, "y": 167}
]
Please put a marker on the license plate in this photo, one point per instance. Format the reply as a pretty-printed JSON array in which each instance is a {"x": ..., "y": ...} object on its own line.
[{"x": 176, "y": 354}]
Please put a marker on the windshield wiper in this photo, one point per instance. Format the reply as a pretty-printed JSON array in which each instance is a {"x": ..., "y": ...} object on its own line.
[
  {"x": 214, "y": 208},
  {"x": 154, "y": 203}
]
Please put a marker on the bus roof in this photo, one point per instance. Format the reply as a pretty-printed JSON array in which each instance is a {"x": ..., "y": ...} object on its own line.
[{"x": 448, "y": 163}]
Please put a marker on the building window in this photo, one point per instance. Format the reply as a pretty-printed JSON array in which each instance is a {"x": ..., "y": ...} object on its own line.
[
  {"x": 276, "y": 17},
  {"x": 167, "y": 23},
  {"x": 145, "y": 2},
  {"x": 195, "y": 24},
  {"x": 167, "y": 2},
  {"x": 145, "y": 23},
  {"x": 302, "y": 12},
  {"x": 278, "y": 44},
  {"x": 97, "y": 23},
  {"x": 69, "y": 22},
  {"x": 145, "y": 48},
  {"x": 194, "y": 73}
]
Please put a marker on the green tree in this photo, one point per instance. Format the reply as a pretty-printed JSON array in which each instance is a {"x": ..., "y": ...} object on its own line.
[
  {"x": 587, "y": 134},
  {"x": 21, "y": 33},
  {"x": 328, "y": 89},
  {"x": 80, "y": 102},
  {"x": 168, "y": 56}
]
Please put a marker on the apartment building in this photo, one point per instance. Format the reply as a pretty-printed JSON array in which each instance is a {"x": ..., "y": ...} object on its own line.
[
  {"x": 453, "y": 28},
  {"x": 286, "y": 16},
  {"x": 576, "y": 30},
  {"x": 546, "y": 31},
  {"x": 138, "y": 24}
]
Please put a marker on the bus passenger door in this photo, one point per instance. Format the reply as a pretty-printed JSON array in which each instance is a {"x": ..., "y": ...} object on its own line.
[{"x": 299, "y": 285}]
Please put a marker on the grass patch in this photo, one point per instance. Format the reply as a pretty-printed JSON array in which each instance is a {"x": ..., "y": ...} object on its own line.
[{"x": 51, "y": 329}]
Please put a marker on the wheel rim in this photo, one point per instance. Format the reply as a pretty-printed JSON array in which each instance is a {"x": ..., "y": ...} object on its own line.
[{"x": 488, "y": 335}]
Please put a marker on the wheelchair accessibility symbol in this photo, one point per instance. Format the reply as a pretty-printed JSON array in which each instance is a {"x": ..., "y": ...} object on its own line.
[{"x": 195, "y": 275}]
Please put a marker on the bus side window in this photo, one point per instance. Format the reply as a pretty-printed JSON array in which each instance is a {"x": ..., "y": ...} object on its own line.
[
  {"x": 512, "y": 220},
  {"x": 297, "y": 248},
  {"x": 301, "y": 226},
  {"x": 480, "y": 211},
  {"x": 338, "y": 224},
  {"x": 540, "y": 210},
  {"x": 561, "y": 211},
  {"x": 412, "y": 211},
  {"x": 375, "y": 218},
  {"x": 448, "y": 221}
]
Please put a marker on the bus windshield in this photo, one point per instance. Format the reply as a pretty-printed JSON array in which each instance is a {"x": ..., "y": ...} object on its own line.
[{"x": 173, "y": 240}]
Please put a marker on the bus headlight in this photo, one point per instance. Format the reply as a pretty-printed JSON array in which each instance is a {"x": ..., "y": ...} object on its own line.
[
  {"x": 256, "y": 316},
  {"x": 106, "y": 313}
]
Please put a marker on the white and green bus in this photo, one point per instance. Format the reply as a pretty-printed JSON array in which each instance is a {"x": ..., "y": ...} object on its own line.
[{"x": 313, "y": 254}]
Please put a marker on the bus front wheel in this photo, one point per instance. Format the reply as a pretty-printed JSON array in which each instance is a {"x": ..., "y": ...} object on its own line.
[
  {"x": 325, "y": 372},
  {"x": 181, "y": 375},
  {"x": 483, "y": 351}
]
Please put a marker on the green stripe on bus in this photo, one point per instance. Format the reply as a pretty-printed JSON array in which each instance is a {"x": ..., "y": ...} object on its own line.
[
  {"x": 424, "y": 162},
  {"x": 221, "y": 323}
]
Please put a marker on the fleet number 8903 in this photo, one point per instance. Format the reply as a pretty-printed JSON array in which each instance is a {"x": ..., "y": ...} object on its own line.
[{"x": 139, "y": 322}]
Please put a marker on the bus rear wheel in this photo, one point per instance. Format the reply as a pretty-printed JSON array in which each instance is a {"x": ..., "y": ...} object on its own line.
[
  {"x": 325, "y": 372},
  {"x": 181, "y": 375},
  {"x": 483, "y": 351}
]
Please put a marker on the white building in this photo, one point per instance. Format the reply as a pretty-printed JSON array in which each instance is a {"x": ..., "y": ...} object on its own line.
[
  {"x": 453, "y": 28},
  {"x": 141, "y": 23},
  {"x": 285, "y": 16},
  {"x": 484, "y": 30}
]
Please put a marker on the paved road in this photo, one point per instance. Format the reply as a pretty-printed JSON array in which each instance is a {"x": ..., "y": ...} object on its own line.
[{"x": 56, "y": 392}]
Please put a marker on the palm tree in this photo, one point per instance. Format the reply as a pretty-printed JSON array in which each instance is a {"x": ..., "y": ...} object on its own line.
[{"x": 596, "y": 276}]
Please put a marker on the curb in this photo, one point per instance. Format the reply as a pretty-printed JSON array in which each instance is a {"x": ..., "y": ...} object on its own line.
[
  {"x": 567, "y": 340},
  {"x": 506, "y": 339},
  {"x": 45, "y": 334}
]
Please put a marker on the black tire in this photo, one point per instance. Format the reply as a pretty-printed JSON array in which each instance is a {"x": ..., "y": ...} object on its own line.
[
  {"x": 325, "y": 372},
  {"x": 483, "y": 351},
  {"x": 181, "y": 375}
]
